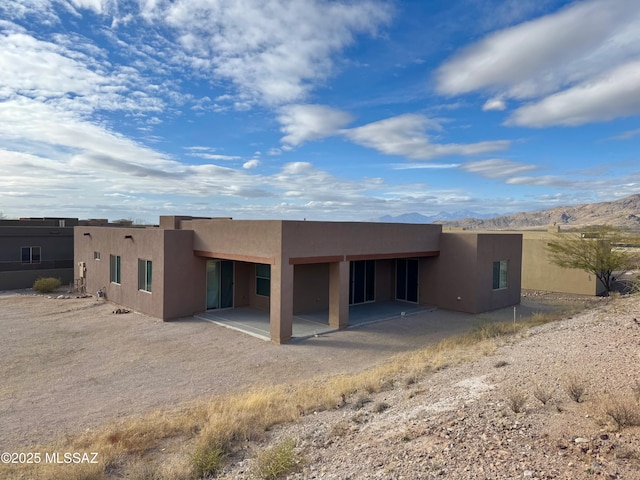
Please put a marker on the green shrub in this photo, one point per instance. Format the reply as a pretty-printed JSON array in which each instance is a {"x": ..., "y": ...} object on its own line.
[
  {"x": 278, "y": 461},
  {"x": 46, "y": 284},
  {"x": 207, "y": 460}
]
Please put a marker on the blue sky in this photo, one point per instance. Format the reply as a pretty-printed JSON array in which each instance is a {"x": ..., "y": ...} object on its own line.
[{"x": 316, "y": 109}]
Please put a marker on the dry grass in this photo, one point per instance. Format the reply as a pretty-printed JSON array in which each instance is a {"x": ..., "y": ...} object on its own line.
[
  {"x": 542, "y": 394},
  {"x": 195, "y": 439},
  {"x": 516, "y": 400},
  {"x": 576, "y": 387},
  {"x": 622, "y": 409}
]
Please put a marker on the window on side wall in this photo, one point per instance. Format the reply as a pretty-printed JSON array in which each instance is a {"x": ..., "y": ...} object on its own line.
[
  {"x": 30, "y": 254},
  {"x": 263, "y": 279},
  {"x": 96, "y": 255},
  {"x": 144, "y": 275},
  {"x": 114, "y": 268},
  {"x": 500, "y": 274}
]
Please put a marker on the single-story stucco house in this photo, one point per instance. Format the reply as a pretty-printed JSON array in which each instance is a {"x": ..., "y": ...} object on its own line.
[{"x": 188, "y": 265}]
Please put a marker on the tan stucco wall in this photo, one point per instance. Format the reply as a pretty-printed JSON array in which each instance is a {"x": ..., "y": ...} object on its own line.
[
  {"x": 385, "y": 280},
  {"x": 174, "y": 290},
  {"x": 310, "y": 288},
  {"x": 245, "y": 240},
  {"x": 462, "y": 277},
  {"x": 538, "y": 273},
  {"x": 316, "y": 239}
]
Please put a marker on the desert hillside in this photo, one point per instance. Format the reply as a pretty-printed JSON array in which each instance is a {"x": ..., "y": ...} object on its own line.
[{"x": 623, "y": 213}]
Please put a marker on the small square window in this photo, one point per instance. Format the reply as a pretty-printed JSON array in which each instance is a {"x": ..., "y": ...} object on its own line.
[{"x": 96, "y": 255}]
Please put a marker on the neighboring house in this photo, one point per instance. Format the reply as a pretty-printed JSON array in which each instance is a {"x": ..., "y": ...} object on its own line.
[
  {"x": 190, "y": 265},
  {"x": 35, "y": 247},
  {"x": 539, "y": 273}
]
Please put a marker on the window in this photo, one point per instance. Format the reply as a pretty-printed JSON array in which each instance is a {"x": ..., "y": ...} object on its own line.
[
  {"x": 144, "y": 275},
  {"x": 263, "y": 279},
  {"x": 500, "y": 274},
  {"x": 114, "y": 269},
  {"x": 30, "y": 254},
  {"x": 96, "y": 255}
]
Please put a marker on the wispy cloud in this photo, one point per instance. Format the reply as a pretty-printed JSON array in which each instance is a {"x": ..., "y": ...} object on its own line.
[
  {"x": 577, "y": 65},
  {"x": 627, "y": 135},
  {"x": 405, "y": 135},
  {"x": 497, "y": 167}
]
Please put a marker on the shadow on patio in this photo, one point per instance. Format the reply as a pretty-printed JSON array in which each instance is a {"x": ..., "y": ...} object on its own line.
[{"x": 256, "y": 323}]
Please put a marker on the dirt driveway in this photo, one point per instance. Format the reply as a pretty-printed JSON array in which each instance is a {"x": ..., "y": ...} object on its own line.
[{"x": 71, "y": 364}]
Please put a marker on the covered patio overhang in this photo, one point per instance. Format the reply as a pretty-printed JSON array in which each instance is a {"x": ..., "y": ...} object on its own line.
[{"x": 257, "y": 323}]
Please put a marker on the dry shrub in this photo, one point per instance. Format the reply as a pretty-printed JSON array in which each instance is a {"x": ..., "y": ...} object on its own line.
[
  {"x": 576, "y": 387},
  {"x": 46, "y": 284},
  {"x": 623, "y": 410},
  {"x": 516, "y": 400},
  {"x": 542, "y": 394}
]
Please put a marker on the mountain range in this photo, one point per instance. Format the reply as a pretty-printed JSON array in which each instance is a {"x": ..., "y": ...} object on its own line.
[{"x": 623, "y": 213}]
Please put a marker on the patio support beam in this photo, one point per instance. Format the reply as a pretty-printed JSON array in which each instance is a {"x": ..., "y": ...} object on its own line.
[
  {"x": 339, "y": 294},
  {"x": 281, "y": 302}
]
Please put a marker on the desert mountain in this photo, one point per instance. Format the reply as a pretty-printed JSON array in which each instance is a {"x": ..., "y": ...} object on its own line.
[{"x": 623, "y": 213}]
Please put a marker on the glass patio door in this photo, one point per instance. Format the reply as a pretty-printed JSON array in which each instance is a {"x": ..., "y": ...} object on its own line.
[
  {"x": 219, "y": 284},
  {"x": 407, "y": 279}
]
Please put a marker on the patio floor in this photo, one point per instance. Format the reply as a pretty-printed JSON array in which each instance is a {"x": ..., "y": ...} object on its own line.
[{"x": 256, "y": 323}]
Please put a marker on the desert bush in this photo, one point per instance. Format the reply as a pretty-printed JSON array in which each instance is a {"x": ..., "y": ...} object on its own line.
[
  {"x": 576, "y": 387},
  {"x": 542, "y": 394},
  {"x": 46, "y": 284},
  {"x": 500, "y": 364},
  {"x": 516, "y": 400},
  {"x": 623, "y": 410},
  {"x": 277, "y": 461},
  {"x": 207, "y": 460}
]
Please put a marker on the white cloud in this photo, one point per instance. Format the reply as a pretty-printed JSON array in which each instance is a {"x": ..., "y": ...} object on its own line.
[
  {"x": 274, "y": 52},
  {"x": 614, "y": 94},
  {"x": 405, "y": 135},
  {"x": 425, "y": 166},
  {"x": 302, "y": 123},
  {"x": 555, "y": 61},
  {"x": 545, "y": 181},
  {"x": 494, "y": 104},
  {"x": 251, "y": 164},
  {"x": 497, "y": 167}
]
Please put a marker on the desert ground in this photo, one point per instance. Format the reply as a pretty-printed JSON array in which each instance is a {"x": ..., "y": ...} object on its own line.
[{"x": 71, "y": 364}]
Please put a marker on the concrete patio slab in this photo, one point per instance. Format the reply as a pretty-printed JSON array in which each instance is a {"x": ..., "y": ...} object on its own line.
[{"x": 256, "y": 323}]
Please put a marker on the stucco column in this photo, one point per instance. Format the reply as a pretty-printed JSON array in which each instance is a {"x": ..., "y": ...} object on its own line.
[
  {"x": 281, "y": 304},
  {"x": 339, "y": 294}
]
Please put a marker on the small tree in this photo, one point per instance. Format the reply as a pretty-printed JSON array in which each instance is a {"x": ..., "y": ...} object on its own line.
[{"x": 594, "y": 251}]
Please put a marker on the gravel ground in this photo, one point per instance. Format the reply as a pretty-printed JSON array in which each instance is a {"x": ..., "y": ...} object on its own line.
[
  {"x": 458, "y": 423},
  {"x": 71, "y": 364}
]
